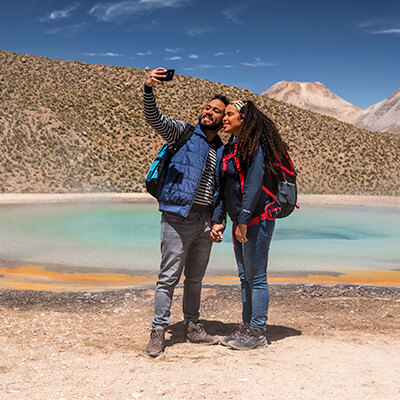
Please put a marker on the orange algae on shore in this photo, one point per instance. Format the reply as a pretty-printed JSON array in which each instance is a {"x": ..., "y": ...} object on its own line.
[
  {"x": 361, "y": 277},
  {"x": 357, "y": 277},
  {"x": 33, "y": 277}
]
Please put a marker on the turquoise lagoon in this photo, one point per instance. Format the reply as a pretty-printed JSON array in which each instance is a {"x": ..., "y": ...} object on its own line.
[{"x": 125, "y": 237}]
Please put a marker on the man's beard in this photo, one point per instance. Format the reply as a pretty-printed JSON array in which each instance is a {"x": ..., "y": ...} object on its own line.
[{"x": 210, "y": 127}]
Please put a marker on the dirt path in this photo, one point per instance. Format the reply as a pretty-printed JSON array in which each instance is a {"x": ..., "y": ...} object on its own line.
[{"x": 339, "y": 342}]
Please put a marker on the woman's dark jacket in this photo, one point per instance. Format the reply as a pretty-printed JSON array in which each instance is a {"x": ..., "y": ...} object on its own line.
[{"x": 241, "y": 208}]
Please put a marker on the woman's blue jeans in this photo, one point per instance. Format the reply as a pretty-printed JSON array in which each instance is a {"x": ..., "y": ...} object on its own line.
[{"x": 252, "y": 262}]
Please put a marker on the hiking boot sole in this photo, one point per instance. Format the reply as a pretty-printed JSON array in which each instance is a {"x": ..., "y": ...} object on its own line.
[
  {"x": 216, "y": 341},
  {"x": 154, "y": 354},
  {"x": 225, "y": 342},
  {"x": 237, "y": 346}
]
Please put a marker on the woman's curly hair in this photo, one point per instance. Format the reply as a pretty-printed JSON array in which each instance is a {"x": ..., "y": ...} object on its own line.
[{"x": 256, "y": 129}]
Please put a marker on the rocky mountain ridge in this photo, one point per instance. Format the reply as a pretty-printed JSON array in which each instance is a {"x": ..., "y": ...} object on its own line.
[
  {"x": 312, "y": 96},
  {"x": 381, "y": 117}
]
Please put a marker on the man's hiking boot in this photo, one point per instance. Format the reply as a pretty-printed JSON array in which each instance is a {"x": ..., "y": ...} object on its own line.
[
  {"x": 252, "y": 338},
  {"x": 156, "y": 344},
  {"x": 196, "y": 333},
  {"x": 239, "y": 330}
]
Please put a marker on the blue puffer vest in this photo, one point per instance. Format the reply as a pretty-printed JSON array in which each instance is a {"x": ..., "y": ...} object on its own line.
[{"x": 184, "y": 174}]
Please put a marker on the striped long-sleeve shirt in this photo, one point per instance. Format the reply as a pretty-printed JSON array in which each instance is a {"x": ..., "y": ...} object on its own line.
[{"x": 170, "y": 130}]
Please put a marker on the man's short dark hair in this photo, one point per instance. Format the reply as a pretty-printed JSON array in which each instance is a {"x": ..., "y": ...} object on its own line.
[{"x": 222, "y": 98}]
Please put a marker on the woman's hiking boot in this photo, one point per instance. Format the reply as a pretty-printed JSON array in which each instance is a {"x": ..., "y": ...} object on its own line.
[
  {"x": 156, "y": 344},
  {"x": 252, "y": 338},
  {"x": 239, "y": 330},
  {"x": 196, "y": 333}
]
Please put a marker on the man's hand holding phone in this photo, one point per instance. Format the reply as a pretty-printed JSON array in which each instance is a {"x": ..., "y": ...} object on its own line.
[{"x": 159, "y": 75}]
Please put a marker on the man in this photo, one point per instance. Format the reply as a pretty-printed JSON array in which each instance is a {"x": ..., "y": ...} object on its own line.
[{"x": 185, "y": 200}]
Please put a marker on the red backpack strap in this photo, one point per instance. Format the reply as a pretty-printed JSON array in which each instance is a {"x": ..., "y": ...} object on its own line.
[
  {"x": 290, "y": 171},
  {"x": 237, "y": 164},
  {"x": 226, "y": 157},
  {"x": 268, "y": 192},
  {"x": 267, "y": 214},
  {"x": 241, "y": 173}
]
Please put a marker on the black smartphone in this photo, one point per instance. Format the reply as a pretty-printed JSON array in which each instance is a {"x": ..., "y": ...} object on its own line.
[{"x": 168, "y": 75}]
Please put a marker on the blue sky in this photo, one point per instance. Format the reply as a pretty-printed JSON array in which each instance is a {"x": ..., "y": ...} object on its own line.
[{"x": 353, "y": 47}]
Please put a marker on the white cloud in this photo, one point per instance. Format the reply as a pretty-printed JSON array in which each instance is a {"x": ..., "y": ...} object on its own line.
[
  {"x": 60, "y": 14},
  {"x": 193, "y": 56},
  {"x": 228, "y": 66},
  {"x": 201, "y": 30},
  {"x": 205, "y": 66},
  {"x": 143, "y": 54},
  {"x": 66, "y": 31},
  {"x": 380, "y": 26},
  {"x": 173, "y": 58},
  {"x": 365, "y": 24},
  {"x": 392, "y": 31},
  {"x": 258, "y": 63},
  {"x": 221, "y": 53},
  {"x": 108, "y": 54},
  {"x": 176, "y": 50},
  {"x": 111, "y": 12},
  {"x": 199, "y": 67},
  {"x": 234, "y": 13}
]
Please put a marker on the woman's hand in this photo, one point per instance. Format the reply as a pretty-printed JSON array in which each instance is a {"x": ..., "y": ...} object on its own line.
[
  {"x": 155, "y": 76},
  {"x": 241, "y": 232},
  {"x": 216, "y": 234}
]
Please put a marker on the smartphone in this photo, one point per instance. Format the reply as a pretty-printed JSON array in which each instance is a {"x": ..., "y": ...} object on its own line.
[{"x": 168, "y": 75}]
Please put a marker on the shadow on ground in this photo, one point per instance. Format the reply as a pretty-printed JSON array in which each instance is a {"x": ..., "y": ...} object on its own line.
[{"x": 274, "y": 332}]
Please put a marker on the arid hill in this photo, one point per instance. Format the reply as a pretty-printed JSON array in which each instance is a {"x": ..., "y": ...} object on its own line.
[{"x": 74, "y": 127}]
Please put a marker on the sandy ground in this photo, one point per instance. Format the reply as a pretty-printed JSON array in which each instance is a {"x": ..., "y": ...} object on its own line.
[{"x": 325, "y": 342}]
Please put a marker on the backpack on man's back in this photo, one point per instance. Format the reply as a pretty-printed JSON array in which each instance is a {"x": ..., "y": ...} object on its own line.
[{"x": 158, "y": 169}]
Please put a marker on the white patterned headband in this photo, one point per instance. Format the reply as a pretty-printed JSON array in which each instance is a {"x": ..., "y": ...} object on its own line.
[{"x": 239, "y": 104}]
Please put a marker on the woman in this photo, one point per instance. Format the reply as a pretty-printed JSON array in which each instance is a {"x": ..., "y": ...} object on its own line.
[{"x": 247, "y": 176}]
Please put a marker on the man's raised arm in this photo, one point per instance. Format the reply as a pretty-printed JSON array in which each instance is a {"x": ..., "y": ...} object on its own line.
[{"x": 170, "y": 129}]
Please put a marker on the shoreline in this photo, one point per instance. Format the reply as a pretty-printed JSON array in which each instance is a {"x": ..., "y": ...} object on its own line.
[
  {"x": 47, "y": 279},
  {"x": 306, "y": 199}
]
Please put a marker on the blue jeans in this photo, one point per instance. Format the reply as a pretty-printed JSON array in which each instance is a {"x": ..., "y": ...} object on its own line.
[
  {"x": 185, "y": 246},
  {"x": 252, "y": 262}
]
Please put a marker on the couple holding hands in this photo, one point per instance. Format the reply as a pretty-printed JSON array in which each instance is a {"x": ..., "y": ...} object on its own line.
[{"x": 204, "y": 181}]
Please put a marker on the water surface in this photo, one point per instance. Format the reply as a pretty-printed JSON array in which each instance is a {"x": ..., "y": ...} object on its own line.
[{"x": 125, "y": 236}]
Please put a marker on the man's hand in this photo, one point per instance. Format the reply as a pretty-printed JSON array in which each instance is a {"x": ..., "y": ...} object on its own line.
[
  {"x": 216, "y": 234},
  {"x": 155, "y": 76},
  {"x": 241, "y": 232}
]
